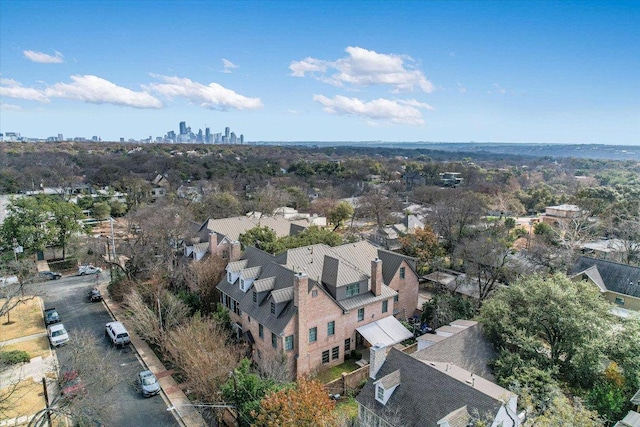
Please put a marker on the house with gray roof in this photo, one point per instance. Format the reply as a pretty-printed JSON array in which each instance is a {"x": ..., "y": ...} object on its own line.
[
  {"x": 403, "y": 390},
  {"x": 218, "y": 236},
  {"x": 316, "y": 304},
  {"x": 618, "y": 283}
]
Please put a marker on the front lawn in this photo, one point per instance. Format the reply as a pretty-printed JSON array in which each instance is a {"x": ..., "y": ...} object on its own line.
[
  {"x": 335, "y": 372},
  {"x": 25, "y": 319},
  {"x": 36, "y": 347}
]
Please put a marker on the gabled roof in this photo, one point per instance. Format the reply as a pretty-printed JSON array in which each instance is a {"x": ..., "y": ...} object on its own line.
[
  {"x": 425, "y": 395},
  {"x": 458, "y": 418},
  {"x": 615, "y": 277},
  {"x": 263, "y": 285},
  {"x": 390, "y": 380},
  {"x": 636, "y": 398},
  {"x": 233, "y": 227},
  {"x": 467, "y": 349}
]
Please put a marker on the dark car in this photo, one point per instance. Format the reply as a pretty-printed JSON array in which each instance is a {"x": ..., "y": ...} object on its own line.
[
  {"x": 51, "y": 316},
  {"x": 95, "y": 295},
  {"x": 49, "y": 275}
]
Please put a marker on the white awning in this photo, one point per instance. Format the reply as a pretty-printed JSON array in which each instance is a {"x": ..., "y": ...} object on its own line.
[{"x": 387, "y": 331}]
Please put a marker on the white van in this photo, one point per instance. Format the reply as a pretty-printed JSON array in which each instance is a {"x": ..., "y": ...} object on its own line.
[{"x": 117, "y": 334}]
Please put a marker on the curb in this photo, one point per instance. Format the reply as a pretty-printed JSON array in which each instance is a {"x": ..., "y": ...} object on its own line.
[{"x": 176, "y": 414}]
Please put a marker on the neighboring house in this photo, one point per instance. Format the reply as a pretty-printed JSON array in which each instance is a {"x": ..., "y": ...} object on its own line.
[
  {"x": 220, "y": 235},
  {"x": 413, "y": 179},
  {"x": 159, "y": 186},
  {"x": 193, "y": 193},
  {"x": 555, "y": 214},
  {"x": 389, "y": 236},
  {"x": 317, "y": 303},
  {"x": 293, "y": 214},
  {"x": 404, "y": 390},
  {"x": 451, "y": 179},
  {"x": 632, "y": 419},
  {"x": 619, "y": 283},
  {"x": 608, "y": 249}
]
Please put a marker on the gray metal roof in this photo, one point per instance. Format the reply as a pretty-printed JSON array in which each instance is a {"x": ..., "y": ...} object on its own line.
[
  {"x": 233, "y": 227},
  {"x": 263, "y": 285},
  {"x": 425, "y": 394},
  {"x": 236, "y": 266},
  {"x": 282, "y": 295},
  {"x": 366, "y": 298},
  {"x": 251, "y": 272}
]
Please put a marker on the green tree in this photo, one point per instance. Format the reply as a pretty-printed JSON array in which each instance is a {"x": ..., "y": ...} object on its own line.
[
  {"x": 422, "y": 244},
  {"x": 260, "y": 237},
  {"x": 340, "y": 213},
  {"x": 245, "y": 390},
  {"x": 217, "y": 205},
  {"x": 66, "y": 219},
  {"x": 553, "y": 323},
  {"x": 101, "y": 210},
  {"x": 27, "y": 224}
]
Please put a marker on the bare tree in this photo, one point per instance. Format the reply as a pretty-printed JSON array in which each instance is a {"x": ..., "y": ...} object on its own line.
[{"x": 378, "y": 204}]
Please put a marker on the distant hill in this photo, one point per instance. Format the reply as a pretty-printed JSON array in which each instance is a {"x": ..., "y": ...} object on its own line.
[{"x": 590, "y": 151}]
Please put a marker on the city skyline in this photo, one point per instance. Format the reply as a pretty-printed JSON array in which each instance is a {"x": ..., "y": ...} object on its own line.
[{"x": 518, "y": 71}]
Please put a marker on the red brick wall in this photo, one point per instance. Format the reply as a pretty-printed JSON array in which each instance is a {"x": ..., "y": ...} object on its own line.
[{"x": 408, "y": 290}]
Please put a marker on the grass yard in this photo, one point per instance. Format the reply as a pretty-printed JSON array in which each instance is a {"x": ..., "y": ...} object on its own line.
[
  {"x": 35, "y": 347},
  {"x": 26, "y": 319},
  {"x": 26, "y": 399},
  {"x": 347, "y": 408},
  {"x": 335, "y": 372}
]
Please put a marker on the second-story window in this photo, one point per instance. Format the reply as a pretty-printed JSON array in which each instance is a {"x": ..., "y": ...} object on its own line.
[
  {"x": 385, "y": 306},
  {"x": 274, "y": 340},
  {"x": 261, "y": 331},
  {"x": 352, "y": 290},
  {"x": 402, "y": 272},
  {"x": 313, "y": 334},
  {"x": 288, "y": 343},
  {"x": 331, "y": 328},
  {"x": 360, "y": 314}
]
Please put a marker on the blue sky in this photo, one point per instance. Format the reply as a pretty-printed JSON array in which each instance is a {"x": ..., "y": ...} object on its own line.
[{"x": 508, "y": 71}]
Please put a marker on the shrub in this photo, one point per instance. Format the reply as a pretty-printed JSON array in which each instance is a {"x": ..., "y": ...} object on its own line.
[{"x": 13, "y": 357}]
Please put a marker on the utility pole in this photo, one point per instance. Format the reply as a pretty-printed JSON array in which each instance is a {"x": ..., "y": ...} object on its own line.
[{"x": 46, "y": 400}]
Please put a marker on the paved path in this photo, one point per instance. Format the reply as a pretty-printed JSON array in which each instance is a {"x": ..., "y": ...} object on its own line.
[
  {"x": 22, "y": 339},
  {"x": 187, "y": 415}
]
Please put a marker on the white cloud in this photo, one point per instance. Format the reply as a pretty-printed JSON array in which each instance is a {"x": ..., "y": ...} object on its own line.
[
  {"x": 364, "y": 67},
  {"x": 213, "y": 96},
  {"x": 378, "y": 110},
  {"x": 497, "y": 89},
  {"x": 308, "y": 65},
  {"x": 42, "y": 57},
  {"x": 228, "y": 66},
  {"x": 12, "y": 89},
  {"x": 461, "y": 88},
  {"x": 97, "y": 90},
  {"x": 9, "y": 107}
]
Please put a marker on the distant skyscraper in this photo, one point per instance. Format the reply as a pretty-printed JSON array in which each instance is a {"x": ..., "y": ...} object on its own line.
[
  {"x": 232, "y": 138},
  {"x": 226, "y": 133},
  {"x": 241, "y": 139},
  {"x": 207, "y": 136},
  {"x": 183, "y": 128},
  {"x": 60, "y": 137}
]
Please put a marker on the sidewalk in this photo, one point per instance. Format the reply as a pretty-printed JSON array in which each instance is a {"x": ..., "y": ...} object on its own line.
[{"x": 187, "y": 415}]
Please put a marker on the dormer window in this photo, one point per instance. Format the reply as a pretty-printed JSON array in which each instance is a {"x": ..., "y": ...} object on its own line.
[
  {"x": 386, "y": 385},
  {"x": 255, "y": 297},
  {"x": 352, "y": 290},
  {"x": 379, "y": 393},
  {"x": 229, "y": 277},
  {"x": 273, "y": 307}
]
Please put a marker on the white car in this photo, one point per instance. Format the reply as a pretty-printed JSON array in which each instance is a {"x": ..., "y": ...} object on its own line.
[
  {"x": 57, "y": 334},
  {"x": 88, "y": 269}
]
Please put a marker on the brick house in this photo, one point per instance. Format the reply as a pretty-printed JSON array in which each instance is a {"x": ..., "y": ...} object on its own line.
[{"x": 317, "y": 303}]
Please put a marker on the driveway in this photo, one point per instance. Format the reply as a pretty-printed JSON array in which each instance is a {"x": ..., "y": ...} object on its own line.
[{"x": 69, "y": 296}]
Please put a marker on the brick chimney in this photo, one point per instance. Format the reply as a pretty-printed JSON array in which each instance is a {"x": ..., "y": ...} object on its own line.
[
  {"x": 376, "y": 276},
  {"x": 300, "y": 295},
  {"x": 213, "y": 243},
  {"x": 235, "y": 251},
  {"x": 377, "y": 356}
]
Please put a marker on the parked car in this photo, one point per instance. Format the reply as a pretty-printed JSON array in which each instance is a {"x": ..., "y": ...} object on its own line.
[
  {"x": 117, "y": 334},
  {"x": 57, "y": 334},
  {"x": 148, "y": 383},
  {"x": 71, "y": 384},
  {"x": 95, "y": 295},
  {"x": 88, "y": 269},
  {"x": 51, "y": 316},
  {"x": 49, "y": 275},
  {"x": 10, "y": 280}
]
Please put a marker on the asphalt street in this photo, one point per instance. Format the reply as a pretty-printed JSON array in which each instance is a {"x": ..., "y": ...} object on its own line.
[{"x": 69, "y": 296}]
